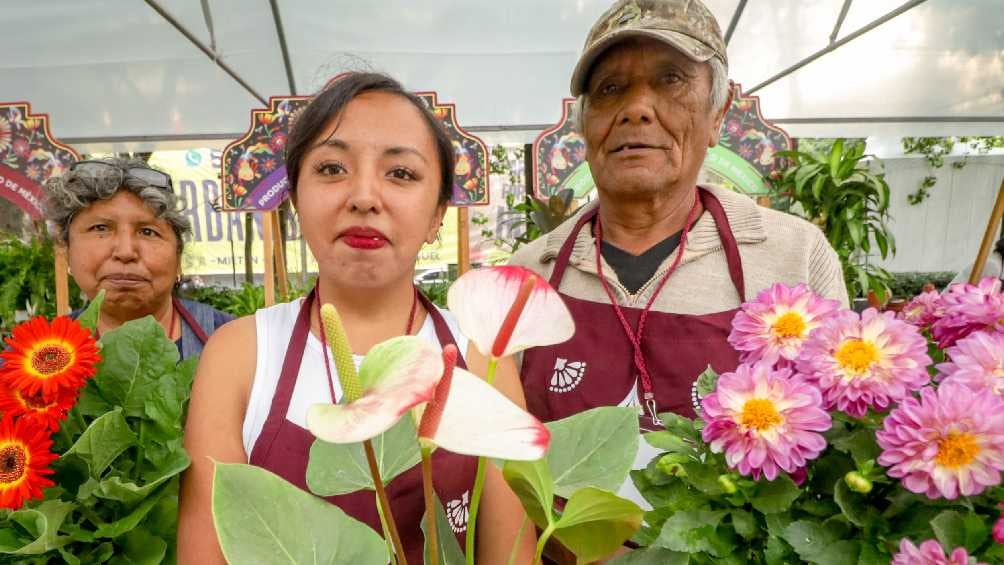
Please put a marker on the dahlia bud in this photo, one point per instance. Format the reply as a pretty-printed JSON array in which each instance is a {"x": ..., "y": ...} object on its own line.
[
  {"x": 858, "y": 482},
  {"x": 998, "y": 531},
  {"x": 671, "y": 464},
  {"x": 727, "y": 484}
]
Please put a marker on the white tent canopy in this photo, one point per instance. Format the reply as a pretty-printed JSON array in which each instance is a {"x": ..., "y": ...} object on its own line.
[{"x": 117, "y": 75}]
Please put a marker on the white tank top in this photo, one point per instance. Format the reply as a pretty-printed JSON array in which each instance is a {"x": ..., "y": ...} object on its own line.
[{"x": 273, "y": 328}]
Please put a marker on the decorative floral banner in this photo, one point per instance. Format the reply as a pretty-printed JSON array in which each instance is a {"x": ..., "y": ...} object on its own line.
[
  {"x": 29, "y": 155},
  {"x": 559, "y": 158},
  {"x": 470, "y": 182},
  {"x": 253, "y": 169},
  {"x": 742, "y": 160}
]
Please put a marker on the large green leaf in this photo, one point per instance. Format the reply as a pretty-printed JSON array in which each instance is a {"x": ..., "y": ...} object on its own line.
[
  {"x": 821, "y": 543},
  {"x": 596, "y": 522},
  {"x": 104, "y": 440},
  {"x": 263, "y": 519},
  {"x": 651, "y": 556},
  {"x": 129, "y": 493},
  {"x": 692, "y": 531},
  {"x": 335, "y": 468},
  {"x": 89, "y": 317},
  {"x": 448, "y": 549},
  {"x": 136, "y": 358},
  {"x": 595, "y": 448},
  {"x": 139, "y": 547},
  {"x": 532, "y": 483},
  {"x": 131, "y": 520},
  {"x": 42, "y": 523},
  {"x": 775, "y": 496}
]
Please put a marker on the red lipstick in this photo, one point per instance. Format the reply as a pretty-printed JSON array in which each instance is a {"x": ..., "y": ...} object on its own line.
[{"x": 360, "y": 237}]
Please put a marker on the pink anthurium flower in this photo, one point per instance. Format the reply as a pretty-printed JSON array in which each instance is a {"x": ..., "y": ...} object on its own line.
[
  {"x": 395, "y": 376},
  {"x": 504, "y": 310},
  {"x": 471, "y": 417}
]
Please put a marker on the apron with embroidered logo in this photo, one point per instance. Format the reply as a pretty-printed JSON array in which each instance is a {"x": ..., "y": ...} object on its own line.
[{"x": 283, "y": 448}]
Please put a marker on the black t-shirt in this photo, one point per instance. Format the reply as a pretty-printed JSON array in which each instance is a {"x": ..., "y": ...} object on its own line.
[{"x": 635, "y": 270}]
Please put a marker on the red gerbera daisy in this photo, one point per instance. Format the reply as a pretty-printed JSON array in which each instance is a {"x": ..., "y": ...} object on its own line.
[
  {"x": 24, "y": 461},
  {"x": 46, "y": 411},
  {"x": 47, "y": 357}
]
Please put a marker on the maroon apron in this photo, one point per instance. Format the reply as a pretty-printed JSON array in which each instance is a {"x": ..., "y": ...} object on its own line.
[
  {"x": 596, "y": 367},
  {"x": 283, "y": 448}
]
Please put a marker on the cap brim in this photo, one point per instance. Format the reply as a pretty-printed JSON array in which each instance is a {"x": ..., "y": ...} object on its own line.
[{"x": 692, "y": 48}]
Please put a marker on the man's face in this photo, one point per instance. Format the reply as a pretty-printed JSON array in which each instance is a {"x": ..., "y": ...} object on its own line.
[{"x": 647, "y": 118}]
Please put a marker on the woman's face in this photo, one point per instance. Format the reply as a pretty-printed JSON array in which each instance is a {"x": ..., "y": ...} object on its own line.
[
  {"x": 120, "y": 246},
  {"x": 368, "y": 192}
]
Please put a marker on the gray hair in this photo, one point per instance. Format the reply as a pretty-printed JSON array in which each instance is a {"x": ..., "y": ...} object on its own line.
[
  {"x": 719, "y": 93},
  {"x": 73, "y": 192}
]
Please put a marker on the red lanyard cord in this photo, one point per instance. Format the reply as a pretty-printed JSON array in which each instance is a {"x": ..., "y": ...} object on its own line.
[
  {"x": 324, "y": 338},
  {"x": 636, "y": 337}
]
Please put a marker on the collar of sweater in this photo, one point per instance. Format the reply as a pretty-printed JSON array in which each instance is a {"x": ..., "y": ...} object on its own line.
[{"x": 743, "y": 214}]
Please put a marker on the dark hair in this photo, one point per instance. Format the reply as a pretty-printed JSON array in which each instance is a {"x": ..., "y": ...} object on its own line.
[
  {"x": 312, "y": 120},
  {"x": 999, "y": 247}
]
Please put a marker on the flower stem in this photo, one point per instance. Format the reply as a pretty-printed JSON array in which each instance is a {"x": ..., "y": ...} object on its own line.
[
  {"x": 430, "y": 507},
  {"x": 479, "y": 481},
  {"x": 544, "y": 536},
  {"x": 384, "y": 502},
  {"x": 519, "y": 537}
]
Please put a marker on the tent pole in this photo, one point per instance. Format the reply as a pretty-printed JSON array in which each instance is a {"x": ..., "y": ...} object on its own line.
[
  {"x": 735, "y": 21},
  {"x": 989, "y": 236},
  {"x": 840, "y": 20},
  {"x": 281, "y": 32},
  {"x": 834, "y": 46},
  {"x": 214, "y": 56}
]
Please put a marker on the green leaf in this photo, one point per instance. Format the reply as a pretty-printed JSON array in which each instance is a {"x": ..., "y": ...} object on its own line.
[
  {"x": 130, "y": 493},
  {"x": 136, "y": 516},
  {"x": 955, "y": 530},
  {"x": 89, "y": 317},
  {"x": 261, "y": 518},
  {"x": 744, "y": 524},
  {"x": 820, "y": 543},
  {"x": 448, "y": 549},
  {"x": 668, "y": 441},
  {"x": 532, "y": 483},
  {"x": 871, "y": 555},
  {"x": 104, "y": 440},
  {"x": 817, "y": 187},
  {"x": 651, "y": 556},
  {"x": 42, "y": 523},
  {"x": 860, "y": 444},
  {"x": 335, "y": 469},
  {"x": 139, "y": 547},
  {"x": 854, "y": 506},
  {"x": 691, "y": 531},
  {"x": 596, "y": 522},
  {"x": 836, "y": 153},
  {"x": 977, "y": 532},
  {"x": 595, "y": 448},
  {"x": 136, "y": 358},
  {"x": 704, "y": 477},
  {"x": 707, "y": 382},
  {"x": 680, "y": 425},
  {"x": 775, "y": 496}
]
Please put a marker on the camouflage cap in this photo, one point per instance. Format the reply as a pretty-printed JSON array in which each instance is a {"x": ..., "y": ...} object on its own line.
[{"x": 686, "y": 25}]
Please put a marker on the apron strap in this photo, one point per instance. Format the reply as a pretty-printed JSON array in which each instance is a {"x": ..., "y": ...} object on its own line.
[
  {"x": 190, "y": 320},
  {"x": 287, "y": 382},
  {"x": 566, "y": 249},
  {"x": 714, "y": 207},
  {"x": 443, "y": 333}
]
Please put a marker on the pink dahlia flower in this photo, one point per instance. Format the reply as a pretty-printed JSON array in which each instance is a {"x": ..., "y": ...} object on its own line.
[
  {"x": 930, "y": 553},
  {"x": 867, "y": 361},
  {"x": 923, "y": 310},
  {"x": 948, "y": 442},
  {"x": 765, "y": 421},
  {"x": 773, "y": 327},
  {"x": 967, "y": 309},
  {"x": 977, "y": 362},
  {"x": 998, "y": 530}
]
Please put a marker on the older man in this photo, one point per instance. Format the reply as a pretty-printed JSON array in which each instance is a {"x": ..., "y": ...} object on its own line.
[{"x": 654, "y": 271}]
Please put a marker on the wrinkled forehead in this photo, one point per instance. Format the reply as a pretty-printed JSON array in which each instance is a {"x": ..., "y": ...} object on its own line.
[{"x": 641, "y": 54}]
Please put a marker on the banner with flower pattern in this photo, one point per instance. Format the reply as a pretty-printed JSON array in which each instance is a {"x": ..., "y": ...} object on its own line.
[
  {"x": 470, "y": 180},
  {"x": 742, "y": 160},
  {"x": 29, "y": 155},
  {"x": 253, "y": 170}
]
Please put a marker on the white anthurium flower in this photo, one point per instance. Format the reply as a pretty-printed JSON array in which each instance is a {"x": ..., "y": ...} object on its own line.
[{"x": 504, "y": 310}]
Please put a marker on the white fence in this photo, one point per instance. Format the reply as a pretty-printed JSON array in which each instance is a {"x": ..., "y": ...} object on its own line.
[{"x": 943, "y": 232}]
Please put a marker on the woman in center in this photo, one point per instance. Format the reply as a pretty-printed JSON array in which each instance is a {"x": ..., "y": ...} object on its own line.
[{"x": 371, "y": 174}]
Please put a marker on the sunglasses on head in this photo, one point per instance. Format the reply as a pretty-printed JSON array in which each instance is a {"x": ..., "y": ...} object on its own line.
[{"x": 103, "y": 169}]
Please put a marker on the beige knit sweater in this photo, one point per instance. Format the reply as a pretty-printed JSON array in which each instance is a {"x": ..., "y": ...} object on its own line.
[{"x": 774, "y": 246}]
